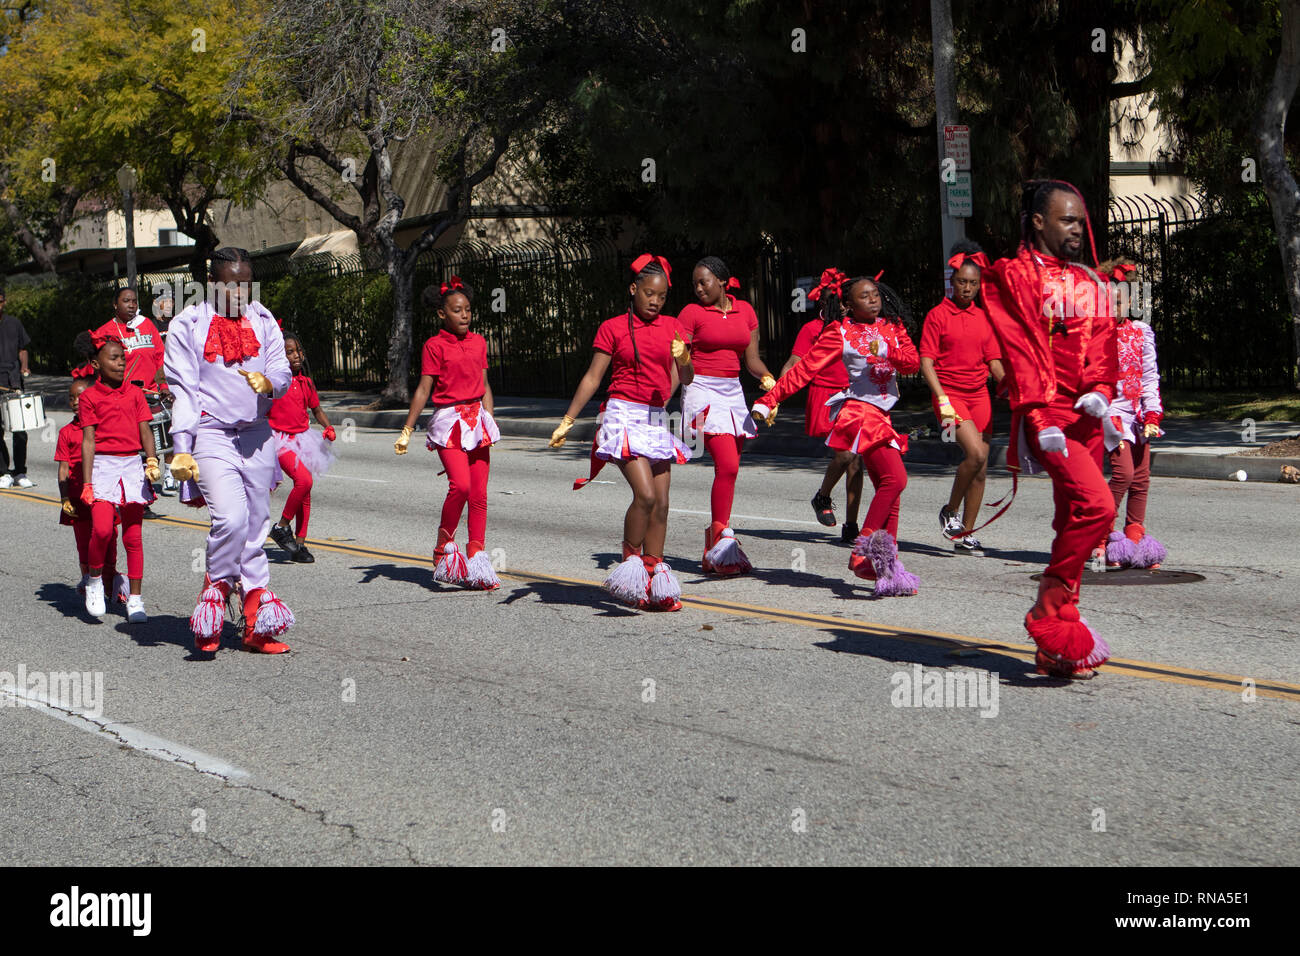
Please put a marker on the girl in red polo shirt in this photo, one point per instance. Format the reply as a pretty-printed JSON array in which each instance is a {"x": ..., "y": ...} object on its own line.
[
  {"x": 958, "y": 350},
  {"x": 875, "y": 350},
  {"x": 826, "y": 385},
  {"x": 301, "y": 451},
  {"x": 720, "y": 329},
  {"x": 461, "y": 430},
  {"x": 115, "y": 428},
  {"x": 75, "y": 513},
  {"x": 643, "y": 350}
]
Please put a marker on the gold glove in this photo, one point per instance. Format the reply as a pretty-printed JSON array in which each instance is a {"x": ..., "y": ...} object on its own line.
[
  {"x": 69, "y": 508},
  {"x": 151, "y": 469},
  {"x": 767, "y": 383},
  {"x": 184, "y": 467},
  {"x": 771, "y": 416},
  {"x": 1150, "y": 430},
  {"x": 681, "y": 354},
  {"x": 557, "y": 436},
  {"x": 399, "y": 446},
  {"x": 257, "y": 382},
  {"x": 946, "y": 410}
]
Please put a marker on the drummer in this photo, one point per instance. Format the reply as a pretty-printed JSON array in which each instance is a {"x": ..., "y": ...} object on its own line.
[
  {"x": 143, "y": 344},
  {"x": 13, "y": 367}
]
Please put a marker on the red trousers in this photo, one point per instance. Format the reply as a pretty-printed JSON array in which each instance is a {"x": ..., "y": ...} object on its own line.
[
  {"x": 81, "y": 530},
  {"x": 103, "y": 531},
  {"x": 298, "y": 508},
  {"x": 725, "y": 452},
  {"x": 889, "y": 478},
  {"x": 1130, "y": 473},
  {"x": 1085, "y": 508},
  {"x": 467, "y": 478}
]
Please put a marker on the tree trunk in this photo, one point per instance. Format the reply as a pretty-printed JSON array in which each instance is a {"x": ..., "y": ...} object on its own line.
[
  {"x": 400, "y": 266},
  {"x": 1275, "y": 175}
]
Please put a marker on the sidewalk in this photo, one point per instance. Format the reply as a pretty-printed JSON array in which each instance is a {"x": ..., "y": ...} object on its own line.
[{"x": 1192, "y": 448}]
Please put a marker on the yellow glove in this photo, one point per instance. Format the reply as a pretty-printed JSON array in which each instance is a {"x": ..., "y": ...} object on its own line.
[
  {"x": 557, "y": 436},
  {"x": 1150, "y": 430},
  {"x": 151, "y": 469},
  {"x": 681, "y": 354},
  {"x": 771, "y": 416},
  {"x": 257, "y": 382},
  {"x": 767, "y": 383},
  {"x": 946, "y": 411},
  {"x": 69, "y": 508},
  {"x": 184, "y": 468},
  {"x": 399, "y": 446}
]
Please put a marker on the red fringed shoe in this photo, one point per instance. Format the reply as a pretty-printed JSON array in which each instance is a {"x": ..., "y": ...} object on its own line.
[
  {"x": 722, "y": 553},
  {"x": 1067, "y": 646},
  {"x": 663, "y": 591},
  {"x": 265, "y": 618},
  {"x": 209, "y": 615}
]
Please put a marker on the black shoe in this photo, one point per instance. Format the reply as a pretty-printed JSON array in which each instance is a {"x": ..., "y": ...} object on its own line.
[
  {"x": 950, "y": 523},
  {"x": 150, "y": 513},
  {"x": 284, "y": 538},
  {"x": 849, "y": 533},
  {"x": 968, "y": 544},
  {"x": 303, "y": 556},
  {"x": 824, "y": 508}
]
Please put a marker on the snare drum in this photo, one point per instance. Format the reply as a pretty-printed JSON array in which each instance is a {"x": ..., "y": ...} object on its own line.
[
  {"x": 22, "y": 411},
  {"x": 161, "y": 426}
]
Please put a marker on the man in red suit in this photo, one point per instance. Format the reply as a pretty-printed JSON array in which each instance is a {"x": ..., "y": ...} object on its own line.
[{"x": 1053, "y": 319}]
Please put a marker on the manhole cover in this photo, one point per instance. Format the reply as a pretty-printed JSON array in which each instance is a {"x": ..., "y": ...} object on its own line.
[{"x": 1128, "y": 576}]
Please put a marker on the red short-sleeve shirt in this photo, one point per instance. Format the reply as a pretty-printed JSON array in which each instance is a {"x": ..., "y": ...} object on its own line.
[
  {"x": 961, "y": 343},
  {"x": 835, "y": 376},
  {"x": 650, "y": 381},
  {"x": 457, "y": 366},
  {"x": 289, "y": 412},
  {"x": 718, "y": 339},
  {"x": 116, "y": 414},
  {"x": 67, "y": 446}
]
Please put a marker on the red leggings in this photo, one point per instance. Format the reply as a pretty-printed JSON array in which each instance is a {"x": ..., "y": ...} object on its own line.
[
  {"x": 1085, "y": 508},
  {"x": 467, "y": 478},
  {"x": 298, "y": 507},
  {"x": 81, "y": 530},
  {"x": 103, "y": 531},
  {"x": 725, "y": 452},
  {"x": 889, "y": 478},
  {"x": 1130, "y": 473}
]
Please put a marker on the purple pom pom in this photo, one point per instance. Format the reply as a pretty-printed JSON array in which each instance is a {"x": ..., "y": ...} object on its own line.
[
  {"x": 1148, "y": 552},
  {"x": 1119, "y": 549}
]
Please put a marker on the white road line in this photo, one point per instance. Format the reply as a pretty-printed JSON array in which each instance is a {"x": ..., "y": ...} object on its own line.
[
  {"x": 687, "y": 511},
  {"x": 375, "y": 481},
  {"x": 141, "y": 740}
]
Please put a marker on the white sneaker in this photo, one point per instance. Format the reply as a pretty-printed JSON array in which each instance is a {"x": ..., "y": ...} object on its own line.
[
  {"x": 22, "y": 481},
  {"x": 95, "y": 597},
  {"x": 135, "y": 609},
  {"x": 168, "y": 483},
  {"x": 6, "y": 481}
]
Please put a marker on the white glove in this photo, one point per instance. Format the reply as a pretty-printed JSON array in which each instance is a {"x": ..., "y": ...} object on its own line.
[
  {"x": 1052, "y": 439},
  {"x": 1094, "y": 404}
]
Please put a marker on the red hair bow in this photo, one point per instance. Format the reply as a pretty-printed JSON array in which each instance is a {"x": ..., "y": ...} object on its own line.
[
  {"x": 961, "y": 258},
  {"x": 832, "y": 281},
  {"x": 643, "y": 260},
  {"x": 1121, "y": 271},
  {"x": 732, "y": 284},
  {"x": 451, "y": 285},
  {"x": 100, "y": 339},
  {"x": 84, "y": 371}
]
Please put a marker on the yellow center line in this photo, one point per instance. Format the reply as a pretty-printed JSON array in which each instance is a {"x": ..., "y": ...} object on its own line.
[{"x": 1148, "y": 670}]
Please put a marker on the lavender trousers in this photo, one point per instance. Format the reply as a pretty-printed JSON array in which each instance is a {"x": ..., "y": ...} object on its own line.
[{"x": 237, "y": 469}]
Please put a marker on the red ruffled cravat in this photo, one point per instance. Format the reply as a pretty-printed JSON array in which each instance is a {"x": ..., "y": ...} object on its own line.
[{"x": 231, "y": 340}]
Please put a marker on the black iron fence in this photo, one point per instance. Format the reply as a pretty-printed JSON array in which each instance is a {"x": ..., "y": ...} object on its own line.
[{"x": 1218, "y": 305}]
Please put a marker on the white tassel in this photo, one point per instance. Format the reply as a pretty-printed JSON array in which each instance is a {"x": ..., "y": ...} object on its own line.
[
  {"x": 726, "y": 555},
  {"x": 480, "y": 574},
  {"x": 628, "y": 581},
  {"x": 273, "y": 616},
  {"x": 121, "y": 589},
  {"x": 664, "y": 586},
  {"x": 209, "y": 614},
  {"x": 451, "y": 567}
]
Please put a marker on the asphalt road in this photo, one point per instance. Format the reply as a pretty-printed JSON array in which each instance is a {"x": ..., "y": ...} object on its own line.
[{"x": 544, "y": 724}]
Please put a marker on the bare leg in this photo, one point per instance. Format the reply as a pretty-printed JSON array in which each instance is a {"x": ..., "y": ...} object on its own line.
[
  {"x": 972, "y": 466},
  {"x": 657, "y": 529},
  {"x": 975, "y": 493},
  {"x": 853, "y": 490},
  {"x": 639, "y": 513},
  {"x": 835, "y": 471}
]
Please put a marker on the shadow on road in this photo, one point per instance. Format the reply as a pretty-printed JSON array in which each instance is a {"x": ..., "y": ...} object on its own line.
[{"x": 905, "y": 650}]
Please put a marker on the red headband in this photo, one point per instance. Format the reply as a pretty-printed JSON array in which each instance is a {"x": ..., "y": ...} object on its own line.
[
  {"x": 1120, "y": 272},
  {"x": 454, "y": 284},
  {"x": 832, "y": 280},
  {"x": 961, "y": 258},
  {"x": 99, "y": 340},
  {"x": 732, "y": 283},
  {"x": 643, "y": 260}
]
